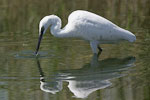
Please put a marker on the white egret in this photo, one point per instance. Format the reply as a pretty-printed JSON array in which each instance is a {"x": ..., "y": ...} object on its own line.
[{"x": 85, "y": 25}]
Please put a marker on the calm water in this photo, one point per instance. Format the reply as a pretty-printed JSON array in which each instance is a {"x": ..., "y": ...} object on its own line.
[{"x": 66, "y": 68}]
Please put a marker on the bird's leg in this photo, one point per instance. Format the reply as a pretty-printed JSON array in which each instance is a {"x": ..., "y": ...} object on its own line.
[
  {"x": 100, "y": 50},
  {"x": 93, "y": 45}
]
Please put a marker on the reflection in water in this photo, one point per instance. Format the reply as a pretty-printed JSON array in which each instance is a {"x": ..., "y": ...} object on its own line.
[
  {"x": 31, "y": 54},
  {"x": 89, "y": 78},
  {"x": 19, "y": 22},
  {"x": 51, "y": 87}
]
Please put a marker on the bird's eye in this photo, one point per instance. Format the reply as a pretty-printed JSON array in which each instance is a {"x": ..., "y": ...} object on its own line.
[{"x": 42, "y": 29}]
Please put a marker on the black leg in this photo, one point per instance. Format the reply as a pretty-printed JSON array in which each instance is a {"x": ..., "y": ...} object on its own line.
[{"x": 100, "y": 50}]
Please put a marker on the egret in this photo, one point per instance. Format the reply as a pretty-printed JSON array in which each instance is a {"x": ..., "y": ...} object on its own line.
[{"x": 87, "y": 26}]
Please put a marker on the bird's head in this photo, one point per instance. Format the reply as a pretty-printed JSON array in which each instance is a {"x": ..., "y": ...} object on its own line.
[
  {"x": 44, "y": 24},
  {"x": 47, "y": 22}
]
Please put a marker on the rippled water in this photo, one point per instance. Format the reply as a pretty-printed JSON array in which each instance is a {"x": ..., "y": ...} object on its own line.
[{"x": 66, "y": 69}]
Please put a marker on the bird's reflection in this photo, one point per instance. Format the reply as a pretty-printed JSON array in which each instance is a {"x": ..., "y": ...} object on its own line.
[
  {"x": 51, "y": 87},
  {"x": 91, "y": 77}
]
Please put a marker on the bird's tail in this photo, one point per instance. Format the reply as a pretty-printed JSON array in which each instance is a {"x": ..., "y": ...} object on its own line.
[
  {"x": 130, "y": 36},
  {"x": 127, "y": 35}
]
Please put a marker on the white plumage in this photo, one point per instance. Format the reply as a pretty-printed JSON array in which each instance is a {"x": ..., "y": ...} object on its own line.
[{"x": 88, "y": 26}]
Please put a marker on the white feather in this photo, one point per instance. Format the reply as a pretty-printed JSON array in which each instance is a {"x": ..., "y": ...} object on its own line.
[{"x": 88, "y": 26}]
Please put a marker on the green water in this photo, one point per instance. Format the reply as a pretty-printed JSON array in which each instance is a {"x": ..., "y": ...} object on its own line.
[{"x": 66, "y": 68}]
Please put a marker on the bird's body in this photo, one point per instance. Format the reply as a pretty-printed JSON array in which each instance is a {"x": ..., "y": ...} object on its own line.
[{"x": 88, "y": 26}]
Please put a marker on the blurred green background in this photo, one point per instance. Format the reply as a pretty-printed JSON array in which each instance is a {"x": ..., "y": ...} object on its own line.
[{"x": 19, "y": 75}]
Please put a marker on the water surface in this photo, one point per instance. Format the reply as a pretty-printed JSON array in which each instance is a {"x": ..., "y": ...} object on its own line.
[{"x": 66, "y": 68}]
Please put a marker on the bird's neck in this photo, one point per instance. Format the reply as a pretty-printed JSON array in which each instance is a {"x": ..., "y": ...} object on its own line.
[{"x": 62, "y": 33}]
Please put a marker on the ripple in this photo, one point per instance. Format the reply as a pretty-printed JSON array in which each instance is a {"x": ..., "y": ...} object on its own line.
[{"x": 31, "y": 54}]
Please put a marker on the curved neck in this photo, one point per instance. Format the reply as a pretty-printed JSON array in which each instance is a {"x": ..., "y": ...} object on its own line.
[{"x": 58, "y": 32}]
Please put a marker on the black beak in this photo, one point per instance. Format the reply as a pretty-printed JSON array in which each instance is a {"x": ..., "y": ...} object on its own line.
[{"x": 39, "y": 41}]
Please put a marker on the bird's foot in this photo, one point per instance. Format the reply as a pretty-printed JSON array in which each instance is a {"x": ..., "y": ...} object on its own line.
[
  {"x": 99, "y": 53},
  {"x": 100, "y": 49}
]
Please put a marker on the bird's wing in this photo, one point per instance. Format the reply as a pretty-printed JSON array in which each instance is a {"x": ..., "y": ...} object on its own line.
[{"x": 91, "y": 26}]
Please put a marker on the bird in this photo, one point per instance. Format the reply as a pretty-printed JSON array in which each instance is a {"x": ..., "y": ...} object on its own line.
[{"x": 87, "y": 26}]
